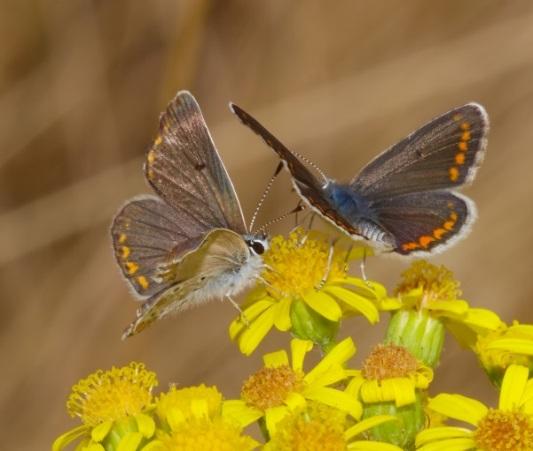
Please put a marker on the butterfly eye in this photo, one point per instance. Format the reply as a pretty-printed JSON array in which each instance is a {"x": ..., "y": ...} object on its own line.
[{"x": 256, "y": 246}]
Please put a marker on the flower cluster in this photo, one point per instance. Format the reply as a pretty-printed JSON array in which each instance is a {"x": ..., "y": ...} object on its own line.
[{"x": 385, "y": 403}]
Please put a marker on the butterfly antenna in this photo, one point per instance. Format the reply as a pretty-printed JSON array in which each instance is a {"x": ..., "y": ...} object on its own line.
[
  {"x": 310, "y": 163},
  {"x": 264, "y": 195},
  {"x": 298, "y": 208}
]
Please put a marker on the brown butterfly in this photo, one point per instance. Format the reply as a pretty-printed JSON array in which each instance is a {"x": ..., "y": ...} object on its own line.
[{"x": 189, "y": 243}]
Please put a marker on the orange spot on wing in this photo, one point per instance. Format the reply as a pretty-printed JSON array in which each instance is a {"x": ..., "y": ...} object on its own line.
[
  {"x": 463, "y": 147},
  {"x": 437, "y": 233},
  {"x": 425, "y": 240},
  {"x": 460, "y": 158},
  {"x": 457, "y": 117},
  {"x": 143, "y": 282},
  {"x": 465, "y": 125},
  {"x": 122, "y": 238},
  {"x": 151, "y": 156},
  {"x": 453, "y": 216},
  {"x": 131, "y": 267},
  {"x": 448, "y": 225},
  {"x": 453, "y": 173},
  {"x": 465, "y": 136},
  {"x": 125, "y": 251},
  {"x": 158, "y": 141},
  {"x": 410, "y": 246}
]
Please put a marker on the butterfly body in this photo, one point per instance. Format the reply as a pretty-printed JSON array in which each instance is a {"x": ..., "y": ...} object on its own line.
[
  {"x": 405, "y": 200},
  {"x": 187, "y": 244}
]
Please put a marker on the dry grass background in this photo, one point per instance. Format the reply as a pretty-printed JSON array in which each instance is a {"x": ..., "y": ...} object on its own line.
[{"x": 81, "y": 87}]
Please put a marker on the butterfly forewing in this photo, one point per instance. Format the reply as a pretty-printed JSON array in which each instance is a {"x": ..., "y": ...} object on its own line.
[
  {"x": 184, "y": 168},
  {"x": 304, "y": 181},
  {"x": 444, "y": 153}
]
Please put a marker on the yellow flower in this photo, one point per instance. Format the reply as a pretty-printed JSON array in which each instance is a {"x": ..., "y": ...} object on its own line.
[
  {"x": 434, "y": 289},
  {"x": 112, "y": 406},
  {"x": 509, "y": 427},
  {"x": 428, "y": 300},
  {"x": 390, "y": 373},
  {"x": 176, "y": 403},
  {"x": 323, "y": 428},
  {"x": 304, "y": 276},
  {"x": 508, "y": 345},
  {"x": 196, "y": 421},
  {"x": 282, "y": 385}
]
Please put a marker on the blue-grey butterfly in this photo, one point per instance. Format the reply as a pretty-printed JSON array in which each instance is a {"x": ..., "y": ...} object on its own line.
[
  {"x": 404, "y": 200},
  {"x": 188, "y": 244}
]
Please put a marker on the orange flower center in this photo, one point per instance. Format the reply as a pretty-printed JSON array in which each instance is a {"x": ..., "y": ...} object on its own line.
[
  {"x": 388, "y": 361},
  {"x": 437, "y": 282},
  {"x": 269, "y": 387},
  {"x": 505, "y": 431}
]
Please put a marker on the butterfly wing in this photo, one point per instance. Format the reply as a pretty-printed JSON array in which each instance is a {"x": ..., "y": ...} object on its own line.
[
  {"x": 305, "y": 183},
  {"x": 146, "y": 233},
  {"x": 184, "y": 168},
  {"x": 445, "y": 153},
  {"x": 200, "y": 276},
  {"x": 425, "y": 222},
  {"x": 197, "y": 196}
]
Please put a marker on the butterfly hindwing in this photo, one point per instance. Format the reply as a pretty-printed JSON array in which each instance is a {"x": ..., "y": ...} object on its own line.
[
  {"x": 147, "y": 233},
  {"x": 445, "y": 153},
  {"x": 184, "y": 168},
  {"x": 221, "y": 252},
  {"x": 425, "y": 222}
]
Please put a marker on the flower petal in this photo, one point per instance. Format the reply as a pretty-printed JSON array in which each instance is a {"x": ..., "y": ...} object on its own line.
[
  {"x": 443, "y": 307},
  {"x": 295, "y": 400},
  {"x": 388, "y": 304},
  {"x": 366, "y": 445},
  {"x": 275, "y": 359},
  {"x": 145, "y": 424},
  {"x": 68, "y": 437},
  {"x": 339, "y": 354},
  {"x": 366, "y": 424},
  {"x": 155, "y": 445},
  {"x": 513, "y": 387},
  {"x": 367, "y": 288},
  {"x": 273, "y": 416},
  {"x": 481, "y": 319},
  {"x": 355, "y": 302},
  {"x": 441, "y": 433},
  {"x": 282, "y": 315},
  {"x": 335, "y": 398},
  {"x": 453, "y": 444},
  {"x": 130, "y": 442},
  {"x": 251, "y": 313},
  {"x": 458, "y": 407},
  {"x": 335, "y": 373},
  {"x": 299, "y": 348},
  {"x": 324, "y": 305},
  {"x": 515, "y": 345},
  {"x": 99, "y": 432},
  {"x": 256, "y": 331},
  {"x": 239, "y": 412}
]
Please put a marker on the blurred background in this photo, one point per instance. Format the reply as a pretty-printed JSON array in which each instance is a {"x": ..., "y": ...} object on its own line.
[{"x": 81, "y": 86}]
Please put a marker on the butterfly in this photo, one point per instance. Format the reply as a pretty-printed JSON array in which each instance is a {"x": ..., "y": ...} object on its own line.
[
  {"x": 188, "y": 243},
  {"x": 405, "y": 200}
]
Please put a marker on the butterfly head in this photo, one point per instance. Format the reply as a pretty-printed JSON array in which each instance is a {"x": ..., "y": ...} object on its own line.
[{"x": 257, "y": 243}]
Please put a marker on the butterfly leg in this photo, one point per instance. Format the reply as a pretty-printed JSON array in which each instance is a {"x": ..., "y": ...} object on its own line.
[
  {"x": 362, "y": 266},
  {"x": 347, "y": 258},
  {"x": 238, "y": 307},
  {"x": 328, "y": 264}
]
